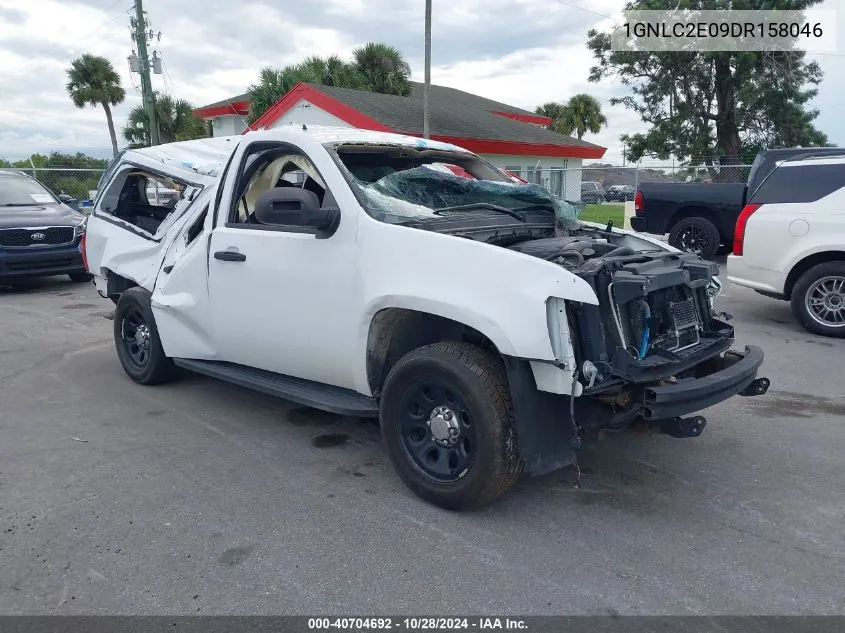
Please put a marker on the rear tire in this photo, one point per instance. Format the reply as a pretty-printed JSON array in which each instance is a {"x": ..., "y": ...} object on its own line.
[
  {"x": 80, "y": 277},
  {"x": 448, "y": 425},
  {"x": 136, "y": 339},
  {"x": 695, "y": 235},
  {"x": 818, "y": 299}
]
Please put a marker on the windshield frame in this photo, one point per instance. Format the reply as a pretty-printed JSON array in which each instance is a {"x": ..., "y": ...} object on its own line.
[
  {"x": 29, "y": 179},
  {"x": 464, "y": 156}
]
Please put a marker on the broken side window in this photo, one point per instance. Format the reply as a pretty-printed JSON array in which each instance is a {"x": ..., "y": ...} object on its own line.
[{"x": 144, "y": 199}]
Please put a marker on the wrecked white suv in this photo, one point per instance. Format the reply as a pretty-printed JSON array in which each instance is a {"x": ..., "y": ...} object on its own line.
[{"x": 377, "y": 275}]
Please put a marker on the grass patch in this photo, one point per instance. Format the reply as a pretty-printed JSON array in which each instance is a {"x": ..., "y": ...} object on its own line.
[{"x": 601, "y": 213}]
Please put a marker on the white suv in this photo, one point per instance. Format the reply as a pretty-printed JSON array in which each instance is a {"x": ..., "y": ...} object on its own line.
[
  {"x": 358, "y": 273},
  {"x": 789, "y": 241}
]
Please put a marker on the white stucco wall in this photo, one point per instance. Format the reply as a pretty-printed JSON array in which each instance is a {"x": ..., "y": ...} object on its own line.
[
  {"x": 305, "y": 112},
  {"x": 228, "y": 125},
  {"x": 553, "y": 170}
]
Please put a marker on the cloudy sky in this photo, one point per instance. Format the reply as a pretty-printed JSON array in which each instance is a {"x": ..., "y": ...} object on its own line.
[{"x": 523, "y": 52}]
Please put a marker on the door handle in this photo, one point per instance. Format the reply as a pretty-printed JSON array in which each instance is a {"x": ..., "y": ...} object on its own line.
[{"x": 230, "y": 256}]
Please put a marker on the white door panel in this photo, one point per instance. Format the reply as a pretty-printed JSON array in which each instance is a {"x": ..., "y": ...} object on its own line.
[{"x": 290, "y": 305}]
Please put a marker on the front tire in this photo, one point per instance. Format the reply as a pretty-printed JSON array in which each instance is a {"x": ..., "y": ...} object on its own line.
[
  {"x": 136, "y": 339},
  {"x": 448, "y": 425},
  {"x": 818, "y": 299},
  {"x": 697, "y": 235}
]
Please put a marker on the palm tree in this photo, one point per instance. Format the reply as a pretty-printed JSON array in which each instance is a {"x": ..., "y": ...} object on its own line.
[
  {"x": 176, "y": 122},
  {"x": 375, "y": 67},
  {"x": 581, "y": 114},
  {"x": 92, "y": 80},
  {"x": 383, "y": 69},
  {"x": 555, "y": 112}
]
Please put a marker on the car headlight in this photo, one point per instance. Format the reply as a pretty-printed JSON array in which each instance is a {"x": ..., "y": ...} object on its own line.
[{"x": 79, "y": 229}]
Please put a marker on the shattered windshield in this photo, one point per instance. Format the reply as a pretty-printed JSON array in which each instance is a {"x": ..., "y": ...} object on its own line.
[{"x": 401, "y": 183}]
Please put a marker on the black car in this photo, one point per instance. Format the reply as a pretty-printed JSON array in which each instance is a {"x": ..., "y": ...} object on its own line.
[
  {"x": 592, "y": 192},
  {"x": 39, "y": 234},
  {"x": 620, "y": 193}
]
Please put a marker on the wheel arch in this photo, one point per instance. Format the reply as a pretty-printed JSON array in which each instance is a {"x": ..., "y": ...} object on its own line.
[
  {"x": 695, "y": 211},
  {"x": 116, "y": 284},
  {"x": 394, "y": 332},
  {"x": 803, "y": 265}
]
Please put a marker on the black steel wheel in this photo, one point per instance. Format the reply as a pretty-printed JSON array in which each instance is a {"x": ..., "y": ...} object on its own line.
[
  {"x": 436, "y": 428},
  {"x": 698, "y": 236},
  {"x": 448, "y": 425},
  {"x": 136, "y": 340},
  {"x": 135, "y": 336}
]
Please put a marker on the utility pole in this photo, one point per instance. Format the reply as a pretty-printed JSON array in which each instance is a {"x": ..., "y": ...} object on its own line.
[
  {"x": 140, "y": 36},
  {"x": 427, "y": 84}
]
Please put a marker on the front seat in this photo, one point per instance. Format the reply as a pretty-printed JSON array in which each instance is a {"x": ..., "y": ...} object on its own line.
[{"x": 314, "y": 187}]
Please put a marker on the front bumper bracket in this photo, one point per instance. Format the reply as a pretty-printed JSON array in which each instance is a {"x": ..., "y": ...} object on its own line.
[{"x": 732, "y": 374}]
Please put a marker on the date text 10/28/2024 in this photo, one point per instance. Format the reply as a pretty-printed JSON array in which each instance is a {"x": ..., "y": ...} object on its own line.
[{"x": 417, "y": 624}]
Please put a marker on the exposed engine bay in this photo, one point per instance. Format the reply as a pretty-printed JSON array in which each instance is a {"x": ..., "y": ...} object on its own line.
[
  {"x": 654, "y": 305},
  {"x": 655, "y": 312}
]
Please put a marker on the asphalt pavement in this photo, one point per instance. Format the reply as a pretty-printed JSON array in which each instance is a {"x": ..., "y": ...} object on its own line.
[{"x": 201, "y": 497}]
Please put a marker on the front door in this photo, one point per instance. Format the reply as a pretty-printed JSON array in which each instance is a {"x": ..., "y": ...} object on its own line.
[{"x": 281, "y": 299}]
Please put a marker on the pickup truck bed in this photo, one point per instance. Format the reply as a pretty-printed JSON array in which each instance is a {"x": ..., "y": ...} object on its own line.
[{"x": 699, "y": 217}]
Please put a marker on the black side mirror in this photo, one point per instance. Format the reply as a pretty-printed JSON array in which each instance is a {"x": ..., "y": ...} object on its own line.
[
  {"x": 295, "y": 207},
  {"x": 63, "y": 197}
]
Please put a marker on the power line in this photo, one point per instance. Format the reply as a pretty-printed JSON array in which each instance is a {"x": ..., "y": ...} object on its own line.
[
  {"x": 167, "y": 79},
  {"x": 575, "y": 6}
]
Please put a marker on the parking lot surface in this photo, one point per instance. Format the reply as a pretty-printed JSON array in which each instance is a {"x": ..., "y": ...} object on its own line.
[{"x": 202, "y": 497}]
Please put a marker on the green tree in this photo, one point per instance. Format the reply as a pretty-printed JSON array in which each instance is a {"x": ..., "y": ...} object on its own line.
[
  {"x": 176, "y": 122},
  {"x": 701, "y": 105},
  {"x": 92, "y": 80},
  {"x": 79, "y": 173},
  {"x": 383, "y": 69},
  {"x": 375, "y": 67},
  {"x": 554, "y": 111},
  {"x": 581, "y": 114}
]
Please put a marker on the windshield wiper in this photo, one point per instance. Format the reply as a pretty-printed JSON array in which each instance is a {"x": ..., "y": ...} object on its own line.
[{"x": 483, "y": 205}]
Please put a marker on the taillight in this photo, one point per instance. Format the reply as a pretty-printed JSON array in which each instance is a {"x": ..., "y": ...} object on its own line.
[
  {"x": 82, "y": 252},
  {"x": 741, "y": 222},
  {"x": 638, "y": 203}
]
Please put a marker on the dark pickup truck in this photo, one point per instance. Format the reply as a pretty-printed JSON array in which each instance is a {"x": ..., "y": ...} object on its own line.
[{"x": 700, "y": 217}]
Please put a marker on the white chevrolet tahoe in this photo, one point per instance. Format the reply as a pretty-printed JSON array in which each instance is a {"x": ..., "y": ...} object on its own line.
[
  {"x": 789, "y": 241},
  {"x": 378, "y": 275}
]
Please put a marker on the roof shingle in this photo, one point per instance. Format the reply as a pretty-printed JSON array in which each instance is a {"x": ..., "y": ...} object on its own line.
[{"x": 448, "y": 117}]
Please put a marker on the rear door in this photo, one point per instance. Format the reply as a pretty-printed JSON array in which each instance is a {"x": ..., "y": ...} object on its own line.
[{"x": 129, "y": 231}]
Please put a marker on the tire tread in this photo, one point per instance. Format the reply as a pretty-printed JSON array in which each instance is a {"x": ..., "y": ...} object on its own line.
[{"x": 490, "y": 373}]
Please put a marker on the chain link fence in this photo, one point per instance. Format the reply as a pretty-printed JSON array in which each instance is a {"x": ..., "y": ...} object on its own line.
[
  {"x": 603, "y": 192},
  {"x": 79, "y": 184}
]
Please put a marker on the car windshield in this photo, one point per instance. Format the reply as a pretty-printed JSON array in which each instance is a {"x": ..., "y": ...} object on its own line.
[
  {"x": 20, "y": 191},
  {"x": 402, "y": 183}
]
